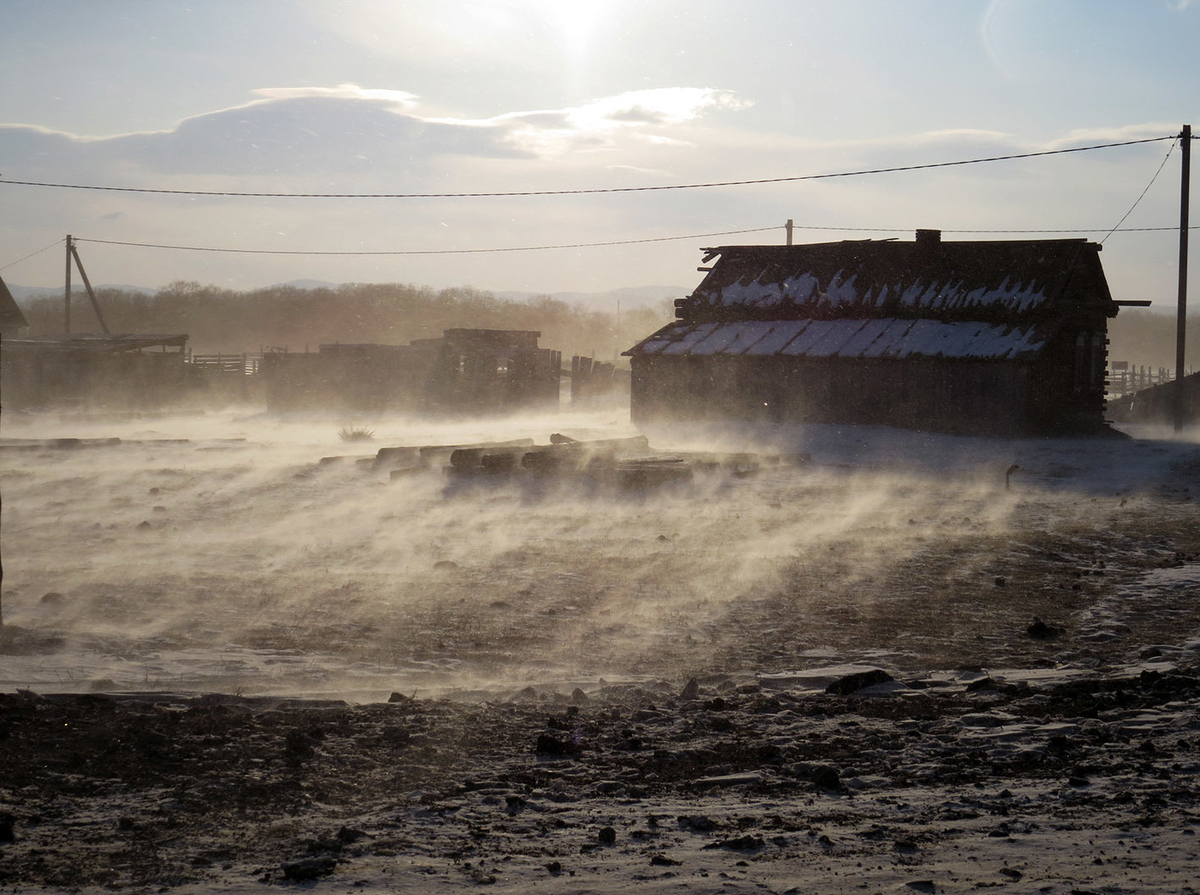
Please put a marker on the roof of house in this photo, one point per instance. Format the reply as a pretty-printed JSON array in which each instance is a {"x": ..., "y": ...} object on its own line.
[
  {"x": 887, "y": 337},
  {"x": 995, "y": 300},
  {"x": 1009, "y": 281},
  {"x": 10, "y": 314}
]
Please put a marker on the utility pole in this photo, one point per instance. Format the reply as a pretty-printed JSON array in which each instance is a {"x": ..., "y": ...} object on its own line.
[
  {"x": 67, "y": 288},
  {"x": 87, "y": 284},
  {"x": 789, "y": 231},
  {"x": 73, "y": 254},
  {"x": 1185, "y": 138}
]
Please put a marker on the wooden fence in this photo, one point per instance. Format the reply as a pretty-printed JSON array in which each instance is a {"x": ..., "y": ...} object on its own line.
[
  {"x": 226, "y": 364},
  {"x": 1125, "y": 378}
]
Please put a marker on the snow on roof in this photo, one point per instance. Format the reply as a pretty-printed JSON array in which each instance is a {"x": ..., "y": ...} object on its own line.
[
  {"x": 1018, "y": 297},
  {"x": 887, "y": 337},
  {"x": 1010, "y": 280},
  {"x": 683, "y": 344}
]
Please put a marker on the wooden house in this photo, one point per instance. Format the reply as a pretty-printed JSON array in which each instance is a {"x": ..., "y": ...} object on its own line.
[
  {"x": 13, "y": 324},
  {"x": 999, "y": 337}
]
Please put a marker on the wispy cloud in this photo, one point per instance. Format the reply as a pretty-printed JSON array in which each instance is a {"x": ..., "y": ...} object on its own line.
[
  {"x": 595, "y": 125},
  {"x": 400, "y": 99},
  {"x": 1143, "y": 131},
  {"x": 353, "y": 131}
]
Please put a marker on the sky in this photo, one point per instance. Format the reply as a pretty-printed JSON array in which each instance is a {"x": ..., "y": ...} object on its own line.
[{"x": 398, "y": 100}]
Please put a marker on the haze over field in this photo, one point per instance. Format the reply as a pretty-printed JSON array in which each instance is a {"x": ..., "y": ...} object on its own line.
[{"x": 200, "y": 538}]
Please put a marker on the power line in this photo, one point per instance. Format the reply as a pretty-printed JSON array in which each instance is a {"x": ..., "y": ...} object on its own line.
[
  {"x": 1137, "y": 201},
  {"x": 591, "y": 191},
  {"x": 574, "y": 245},
  {"x": 31, "y": 254},
  {"x": 949, "y": 230}
]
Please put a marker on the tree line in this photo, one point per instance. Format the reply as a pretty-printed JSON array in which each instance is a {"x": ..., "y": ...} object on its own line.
[{"x": 234, "y": 322}]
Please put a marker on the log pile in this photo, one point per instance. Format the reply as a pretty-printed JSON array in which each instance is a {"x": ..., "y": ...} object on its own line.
[{"x": 620, "y": 463}]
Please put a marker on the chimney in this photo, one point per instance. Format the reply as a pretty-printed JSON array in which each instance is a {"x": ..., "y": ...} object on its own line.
[{"x": 927, "y": 239}]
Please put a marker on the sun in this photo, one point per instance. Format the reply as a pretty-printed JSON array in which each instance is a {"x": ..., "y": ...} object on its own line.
[
  {"x": 575, "y": 23},
  {"x": 477, "y": 29}
]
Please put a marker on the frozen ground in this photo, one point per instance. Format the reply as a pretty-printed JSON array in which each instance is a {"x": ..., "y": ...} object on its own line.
[{"x": 217, "y": 554}]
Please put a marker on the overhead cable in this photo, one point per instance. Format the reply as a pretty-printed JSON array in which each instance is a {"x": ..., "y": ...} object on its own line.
[
  {"x": 572, "y": 245},
  {"x": 1170, "y": 149},
  {"x": 590, "y": 191},
  {"x": 31, "y": 254},
  {"x": 534, "y": 248}
]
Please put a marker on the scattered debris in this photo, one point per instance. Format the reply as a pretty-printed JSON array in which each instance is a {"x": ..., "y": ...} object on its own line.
[
  {"x": 308, "y": 869},
  {"x": 852, "y": 683},
  {"x": 1039, "y": 630}
]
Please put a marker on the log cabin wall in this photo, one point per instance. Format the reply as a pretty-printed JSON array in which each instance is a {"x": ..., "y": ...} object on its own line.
[{"x": 1000, "y": 337}]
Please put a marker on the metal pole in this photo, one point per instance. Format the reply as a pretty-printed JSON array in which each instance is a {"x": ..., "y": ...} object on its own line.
[
  {"x": 1181, "y": 323},
  {"x": 67, "y": 289}
]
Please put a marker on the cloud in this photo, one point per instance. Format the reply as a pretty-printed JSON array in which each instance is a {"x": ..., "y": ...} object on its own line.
[
  {"x": 599, "y": 123},
  {"x": 349, "y": 131},
  {"x": 1119, "y": 134},
  {"x": 400, "y": 99},
  {"x": 634, "y": 169}
]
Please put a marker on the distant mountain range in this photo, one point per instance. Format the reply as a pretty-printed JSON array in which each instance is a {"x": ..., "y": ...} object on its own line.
[{"x": 628, "y": 297}]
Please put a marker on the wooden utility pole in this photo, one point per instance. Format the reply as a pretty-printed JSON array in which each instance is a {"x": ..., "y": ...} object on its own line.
[
  {"x": 87, "y": 284},
  {"x": 789, "y": 231},
  {"x": 1185, "y": 138},
  {"x": 67, "y": 288},
  {"x": 73, "y": 255}
]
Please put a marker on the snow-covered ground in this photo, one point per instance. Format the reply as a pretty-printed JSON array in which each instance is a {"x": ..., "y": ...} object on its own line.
[
  {"x": 227, "y": 554},
  {"x": 217, "y": 552}
]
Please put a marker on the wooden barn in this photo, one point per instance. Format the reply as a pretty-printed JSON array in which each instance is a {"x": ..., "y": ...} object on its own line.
[{"x": 998, "y": 337}]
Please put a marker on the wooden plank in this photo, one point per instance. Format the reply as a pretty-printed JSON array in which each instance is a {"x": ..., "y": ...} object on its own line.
[
  {"x": 438, "y": 453},
  {"x": 492, "y": 455}
]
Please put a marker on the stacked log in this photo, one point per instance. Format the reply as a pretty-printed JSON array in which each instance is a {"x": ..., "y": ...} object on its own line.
[{"x": 621, "y": 463}]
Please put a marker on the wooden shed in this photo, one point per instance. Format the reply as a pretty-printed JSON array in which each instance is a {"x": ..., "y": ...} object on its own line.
[
  {"x": 999, "y": 337},
  {"x": 13, "y": 324},
  {"x": 124, "y": 371}
]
